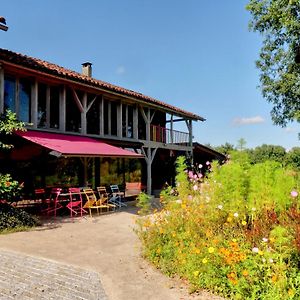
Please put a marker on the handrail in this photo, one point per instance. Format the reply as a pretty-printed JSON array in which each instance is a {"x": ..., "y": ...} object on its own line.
[{"x": 167, "y": 136}]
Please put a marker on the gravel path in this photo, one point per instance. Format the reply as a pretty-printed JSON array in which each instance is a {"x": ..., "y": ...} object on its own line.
[{"x": 99, "y": 248}]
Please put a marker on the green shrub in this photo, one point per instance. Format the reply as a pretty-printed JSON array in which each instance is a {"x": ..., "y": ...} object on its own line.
[
  {"x": 9, "y": 189},
  {"x": 144, "y": 203},
  {"x": 236, "y": 232},
  {"x": 13, "y": 218}
]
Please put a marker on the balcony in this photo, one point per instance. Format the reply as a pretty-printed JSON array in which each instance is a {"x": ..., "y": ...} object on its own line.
[{"x": 168, "y": 136}]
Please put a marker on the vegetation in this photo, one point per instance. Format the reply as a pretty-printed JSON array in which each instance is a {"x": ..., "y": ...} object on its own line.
[
  {"x": 144, "y": 203},
  {"x": 278, "y": 22},
  {"x": 12, "y": 219},
  {"x": 9, "y": 188},
  {"x": 234, "y": 230}
]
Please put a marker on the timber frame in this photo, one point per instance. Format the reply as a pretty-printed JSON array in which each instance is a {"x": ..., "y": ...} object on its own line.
[{"x": 89, "y": 107}]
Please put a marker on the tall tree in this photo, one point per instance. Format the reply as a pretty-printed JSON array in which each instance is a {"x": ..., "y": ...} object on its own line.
[{"x": 278, "y": 21}]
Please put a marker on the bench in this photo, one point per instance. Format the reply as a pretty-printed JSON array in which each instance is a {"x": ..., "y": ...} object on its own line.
[{"x": 132, "y": 189}]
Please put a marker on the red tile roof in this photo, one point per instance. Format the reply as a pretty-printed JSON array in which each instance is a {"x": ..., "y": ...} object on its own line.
[{"x": 52, "y": 69}]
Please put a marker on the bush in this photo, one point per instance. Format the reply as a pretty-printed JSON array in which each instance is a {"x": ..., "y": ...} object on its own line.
[
  {"x": 9, "y": 189},
  {"x": 13, "y": 218},
  {"x": 235, "y": 231}
]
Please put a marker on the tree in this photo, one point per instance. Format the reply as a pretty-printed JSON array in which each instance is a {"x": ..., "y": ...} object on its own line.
[
  {"x": 241, "y": 143},
  {"x": 267, "y": 152},
  {"x": 293, "y": 158},
  {"x": 225, "y": 149},
  {"x": 278, "y": 21},
  {"x": 9, "y": 188}
]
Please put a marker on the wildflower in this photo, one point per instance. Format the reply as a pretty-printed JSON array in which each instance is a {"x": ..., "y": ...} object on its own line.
[
  {"x": 263, "y": 260},
  {"x": 197, "y": 250},
  {"x": 195, "y": 187},
  {"x": 271, "y": 260},
  {"x": 255, "y": 250},
  {"x": 158, "y": 250},
  {"x": 272, "y": 240},
  {"x": 196, "y": 273},
  {"x": 244, "y": 223},
  {"x": 183, "y": 206},
  {"x": 253, "y": 209},
  {"x": 220, "y": 206},
  {"x": 229, "y": 219},
  {"x": 190, "y": 197},
  {"x": 211, "y": 250},
  {"x": 234, "y": 240},
  {"x": 245, "y": 273},
  {"x": 191, "y": 174},
  {"x": 294, "y": 194},
  {"x": 207, "y": 163},
  {"x": 200, "y": 166},
  {"x": 264, "y": 240},
  {"x": 173, "y": 234},
  {"x": 236, "y": 215},
  {"x": 200, "y": 175},
  {"x": 7, "y": 183},
  {"x": 204, "y": 261},
  {"x": 260, "y": 253}
]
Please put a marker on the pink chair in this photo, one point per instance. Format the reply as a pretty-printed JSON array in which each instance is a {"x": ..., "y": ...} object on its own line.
[
  {"x": 75, "y": 204},
  {"x": 53, "y": 202}
]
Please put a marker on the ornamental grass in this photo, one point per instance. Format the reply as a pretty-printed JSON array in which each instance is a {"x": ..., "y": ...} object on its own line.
[{"x": 233, "y": 230}]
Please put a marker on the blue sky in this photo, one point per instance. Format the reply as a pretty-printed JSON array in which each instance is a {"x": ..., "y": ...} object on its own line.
[{"x": 197, "y": 55}]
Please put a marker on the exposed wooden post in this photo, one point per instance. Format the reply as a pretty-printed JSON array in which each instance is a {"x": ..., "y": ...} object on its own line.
[
  {"x": 48, "y": 107},
  {"x": 149, "y": 156},
  {"x": 83, "y": 113},
  {"x": 34, "y": 104},
  {"x": 101, "y": 116},
  {"x": 189, "y": 124},
  {"x": 171, "y": 129},
  {"x": 120, "y": 121},
  {"x": 135, "y": 123},
  {"x": 109, "y": 117},
  {"x": 62, "y": 109},
  {"x": 1, "y": 89}
]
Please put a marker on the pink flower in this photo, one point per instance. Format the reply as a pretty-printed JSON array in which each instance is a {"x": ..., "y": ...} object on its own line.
[
  {"x": 195, "y": 187},
  {"x": 207, "y": 163},
  {"x": 200, "y": 175},
  {"x": 294, "y": 194},
  {"x": 191, "y": 174}
]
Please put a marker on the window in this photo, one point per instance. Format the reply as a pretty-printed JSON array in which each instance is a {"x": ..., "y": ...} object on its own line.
[
  {"x": 54, "y": 107},
  {"x": 24, "y": 100},
  {"x": 17, "y": 97},
  {"x": 42, "y": 104},
  {"x": 9, "y": 93},
  {"x": 73, "y": 115},
  {"x": 92, "y": 116}
]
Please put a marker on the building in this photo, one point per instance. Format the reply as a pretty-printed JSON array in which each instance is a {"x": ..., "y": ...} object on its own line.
[{"x": 57, "y": 103}]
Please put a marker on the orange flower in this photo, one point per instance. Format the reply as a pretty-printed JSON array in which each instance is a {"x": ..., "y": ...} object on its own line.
[
  {"x": 245, "y": 273},
  {"x": 7, "y": 183}
]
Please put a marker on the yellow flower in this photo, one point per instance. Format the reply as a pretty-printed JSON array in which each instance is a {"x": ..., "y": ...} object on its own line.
[
  {"x": 197, "y": 250},
  {"x": 260, "y": 252},
  {"x": 244, "y": 223},
  {"x": 229, "y": 219},
  {"x": 196, "y": 273},
  {"x": 245, "y": 273},
  {"x": 173, "y": 234},
  {"x": 234, "y": 240},
  {"x": 211, "y": 250},
  {"x": 158, "y": 250},
  {"x": 272, "y": 240},
  {"x": 183, "y": 206},
  {"x": 291, "y": 292},
  {"x": 204, "y": 261}
]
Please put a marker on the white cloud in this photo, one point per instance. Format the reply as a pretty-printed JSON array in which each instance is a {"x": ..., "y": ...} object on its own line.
[
  {"x": 289, "y": 129},
  {"x": 248, "y": 121},
  {"x": 120, "y": 70}
]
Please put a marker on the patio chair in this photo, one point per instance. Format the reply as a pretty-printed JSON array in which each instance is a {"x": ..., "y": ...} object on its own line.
[
  {"x": 75, "y": 204},
  {"x": 104, "y": 197},
  {"x": 92, "y": 202},
  {"x": 53, "y": 202},
  {"x": 117, "y": 197}
]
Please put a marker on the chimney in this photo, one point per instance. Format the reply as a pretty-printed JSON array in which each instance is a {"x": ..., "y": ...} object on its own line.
[{"x": 87, "y": 69}]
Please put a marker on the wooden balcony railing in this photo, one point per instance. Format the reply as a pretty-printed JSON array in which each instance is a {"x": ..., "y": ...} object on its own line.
[{"x": 168, "y": 136}]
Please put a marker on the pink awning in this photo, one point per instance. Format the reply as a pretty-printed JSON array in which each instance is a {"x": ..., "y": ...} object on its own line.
[{"x": 72, "y": 145}]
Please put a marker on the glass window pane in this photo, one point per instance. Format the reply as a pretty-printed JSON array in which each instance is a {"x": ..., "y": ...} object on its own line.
[
  {"x": 9, "y": 93},
  {"x": 54, "y": 107},
  {"x": 24, "y": 100},
  {"x": 42, "y": 88}
]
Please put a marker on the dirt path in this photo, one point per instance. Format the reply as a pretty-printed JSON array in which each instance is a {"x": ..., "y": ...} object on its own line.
[{"x": 107, "y": 245}]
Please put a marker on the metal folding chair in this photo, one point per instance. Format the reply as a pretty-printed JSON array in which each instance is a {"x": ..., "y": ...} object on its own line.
[
  {"x": 53, "y": 202},
  {"x": 117, "y": 197},
  {"x": 75, "y": 204},
  {"x": 104, "y": 197}
]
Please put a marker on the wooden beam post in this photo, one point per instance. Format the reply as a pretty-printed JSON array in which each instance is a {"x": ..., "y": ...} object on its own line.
[
  {"x": 83, "y": 113},
  {"x": 149, "y": 154},
  {"x": 62, "y": 109},
  {"x": 34, "y": 104},
  {"x": 101, "y": 116},
  {"x": 135, "y": 123},
  {"x": 1, "y": 89}
]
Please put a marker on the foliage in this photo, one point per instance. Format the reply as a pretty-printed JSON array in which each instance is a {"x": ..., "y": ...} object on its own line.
[
  {"x": 278, "y": 22},
  {"x": 235, "y": 231},
  {"x": 8, "y": 124},
  {"x": 267, "y": 152},
  {"x": 13, "y": 218},
  {"x": 225, "y": 149},
  {"x": 293, "y": 158},
  {"x": 144, "y": 203},
  {"x": 9, "y": 189}
]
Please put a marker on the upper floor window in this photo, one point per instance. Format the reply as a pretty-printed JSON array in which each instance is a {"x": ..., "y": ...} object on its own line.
[{"x": 17, "y": 97}]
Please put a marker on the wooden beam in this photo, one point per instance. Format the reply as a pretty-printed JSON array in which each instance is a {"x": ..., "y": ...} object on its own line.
[
  {"x": 175, "y": 120},
  {"x": 77, "y": 101},
  {"x": 34, "y": 104},
  {"x": 91, "y": 103},
  {"x": 62, "y": 109},
  {"x": 1, "y": 89}
]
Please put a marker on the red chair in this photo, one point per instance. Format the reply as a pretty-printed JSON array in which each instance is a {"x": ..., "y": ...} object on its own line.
[
  {"x": 75, "y": 204},
  {"x": 53, "y": 202}
]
